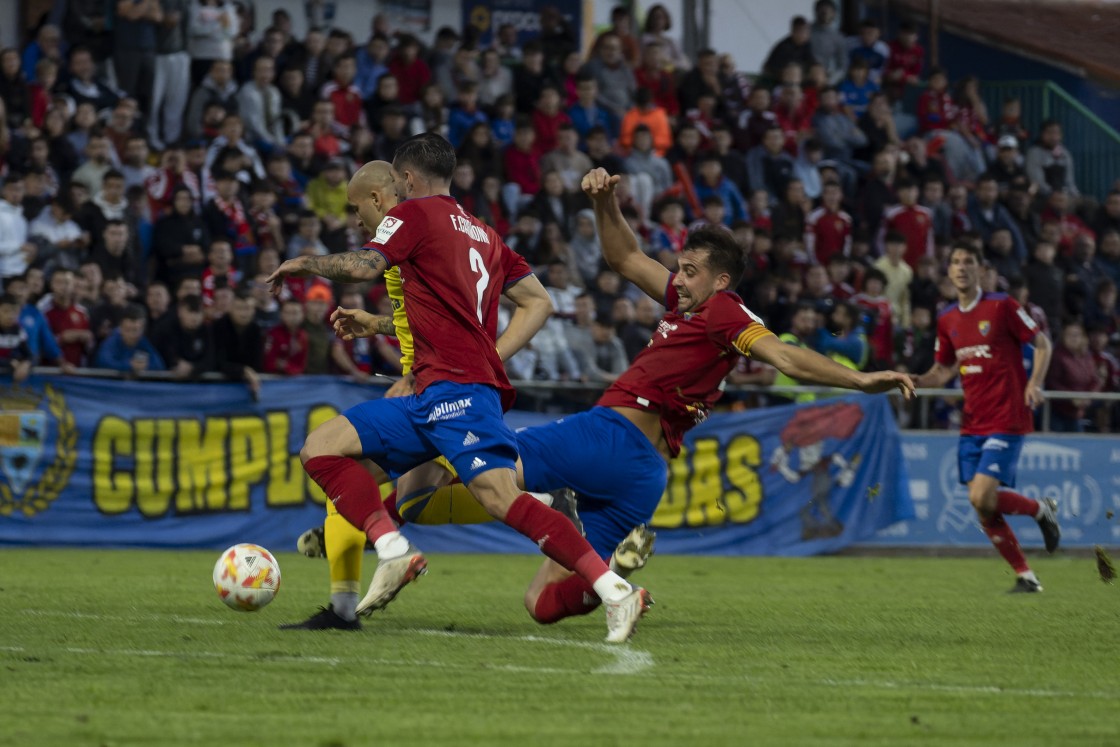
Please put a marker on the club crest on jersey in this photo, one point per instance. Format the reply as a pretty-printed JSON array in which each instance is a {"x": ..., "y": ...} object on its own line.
[
  {"x": 985, "y": 327},
  {"x": 386, "y": 228}
]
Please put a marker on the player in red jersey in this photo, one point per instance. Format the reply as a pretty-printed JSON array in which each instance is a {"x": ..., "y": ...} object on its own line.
[
  {"x": 981, "y": 339},
  {"x": 453, "y": 269}
]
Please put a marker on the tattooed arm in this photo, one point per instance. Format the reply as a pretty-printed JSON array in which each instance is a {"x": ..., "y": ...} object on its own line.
[
  {"x": 344, "y": 267},
  {"x": 353, "y": 323}
]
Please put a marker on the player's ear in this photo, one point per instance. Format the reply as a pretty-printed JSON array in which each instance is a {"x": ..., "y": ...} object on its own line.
[{"x": 723, "y": 281}]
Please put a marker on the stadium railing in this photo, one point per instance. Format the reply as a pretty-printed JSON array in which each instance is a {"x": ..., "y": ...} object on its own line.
[
  {"x": 1093, "y": 143},
  {"x": 564, "y": 396}
]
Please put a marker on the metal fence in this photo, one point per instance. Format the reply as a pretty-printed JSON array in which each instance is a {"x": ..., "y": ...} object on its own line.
[{"x": 569, "y": 396}]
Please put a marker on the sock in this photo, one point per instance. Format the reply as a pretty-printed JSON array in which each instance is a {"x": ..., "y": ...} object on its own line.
[
  {"x": 545, "y": 498},
  {"x": 567, "y": 598},
  {"x": 1011, "y": 503},
  {"x": 560, "y": 540},
  {"x": 390, "y": 545},
  {"x": 391, "y": 507},
  {"x": 345, "y": 545},
  {"x": 353, "y": 491},
  {"x": 345, "y": 603},
  {"x": 999, "y": 532}
]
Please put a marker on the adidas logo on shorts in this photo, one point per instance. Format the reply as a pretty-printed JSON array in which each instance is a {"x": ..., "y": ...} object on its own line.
[
  {"x": 470, "y": 440},
  {"x": 477, "y": 463}
]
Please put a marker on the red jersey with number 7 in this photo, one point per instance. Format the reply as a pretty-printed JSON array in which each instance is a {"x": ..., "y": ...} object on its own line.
[
  {"x": 454, "y": 269},
  {"x": 984, "y": 341}
]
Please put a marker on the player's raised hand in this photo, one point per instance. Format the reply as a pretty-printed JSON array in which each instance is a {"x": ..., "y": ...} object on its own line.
[
  {"x": 1034, "y": 396},
  {"x": 292, "y": 268},
  {"x": 350, "y": 324},
  {"x": 885, "y": 381},
  {"x": 598, "y": 184}
]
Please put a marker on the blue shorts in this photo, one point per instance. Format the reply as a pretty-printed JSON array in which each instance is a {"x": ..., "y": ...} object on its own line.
[
  {"x": 617, "y": 473},
  {"x": 463, "y": 422},
  {"x": 996, "y": 456}
]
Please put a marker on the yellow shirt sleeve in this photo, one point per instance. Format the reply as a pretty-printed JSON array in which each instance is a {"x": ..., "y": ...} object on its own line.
[{"x": 395, "y": 289}]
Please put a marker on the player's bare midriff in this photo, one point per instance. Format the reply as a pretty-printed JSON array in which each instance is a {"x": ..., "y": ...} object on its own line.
[{"x": 649, "y": 423}]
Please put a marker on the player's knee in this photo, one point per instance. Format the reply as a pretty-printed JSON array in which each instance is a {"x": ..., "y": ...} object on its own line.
[{"x": 982, "y": 499}]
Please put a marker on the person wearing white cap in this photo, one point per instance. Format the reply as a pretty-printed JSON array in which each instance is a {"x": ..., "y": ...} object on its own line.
[{"x": 1007, "y": 168}]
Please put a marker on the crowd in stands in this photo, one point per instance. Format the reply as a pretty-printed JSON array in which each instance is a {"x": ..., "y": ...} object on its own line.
[{"x": 160, "y": 158}]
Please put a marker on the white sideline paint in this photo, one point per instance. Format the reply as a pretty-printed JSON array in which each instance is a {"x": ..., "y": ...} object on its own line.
[
  {"x": 122, "y": 618},
  {"x": 627, "y": 660}
]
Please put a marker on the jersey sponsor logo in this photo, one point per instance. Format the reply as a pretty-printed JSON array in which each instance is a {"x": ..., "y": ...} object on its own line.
[
  {"x": 470, "y": 440},
  {"x": 386, "y": 228},
  {"x": 966, "y": 370},
  {"x": 974, "y": 351},
  {"x": 1026, "y": 319},
  {"x": 664, "y": 328},
  {"x": 995, "y": 444},
  {"x": 477, "y": 463},
  {"x": 449, "y": 410},
  {"x": 462, "y": 224},
  {"x": 985, "y": 327},
  {"x": 993, "y": 468}
]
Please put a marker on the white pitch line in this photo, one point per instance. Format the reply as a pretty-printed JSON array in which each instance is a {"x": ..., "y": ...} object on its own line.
[
  {"x": 626, "y": 660},
  {"x": 124, "y": 618}
]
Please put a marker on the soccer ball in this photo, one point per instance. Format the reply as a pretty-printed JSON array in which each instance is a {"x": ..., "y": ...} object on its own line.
[{"x": 247, "y": 577}]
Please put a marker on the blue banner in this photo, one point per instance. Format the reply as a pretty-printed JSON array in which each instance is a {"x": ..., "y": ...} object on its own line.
[
  {"x": 485, "y": 17},
  {"x": 147, "y": 464},
  {"x": 1079, "y": 472}
]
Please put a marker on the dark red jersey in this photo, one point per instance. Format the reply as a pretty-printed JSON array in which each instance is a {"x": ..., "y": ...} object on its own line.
[
  {"x": 827, "y": 234},
  {"x": 985, "y": 343},
  {"x": 63, "y": 320},
  {"x": 915, "y": 223},
  {"x": 454, "y": 269},
  {"x": 680, "y": 373}
]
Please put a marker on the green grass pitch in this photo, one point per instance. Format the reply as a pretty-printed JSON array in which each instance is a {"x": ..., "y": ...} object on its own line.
[{"x": 134, "y": 648}]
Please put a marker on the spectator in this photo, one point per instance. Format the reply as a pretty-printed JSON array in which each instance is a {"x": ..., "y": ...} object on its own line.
[
  {"x": 897, "y": 277},
  {"x": 915, "y": 343},
  {"x": 755, "y": 120},
  {"x": 172, "y": 75},
  {"x": 1108, "y": 255},
  {"x": 622, "y": 27},
  {"x": 157, "y": 299},
  {"x": 84, "y": 86},
  {"x": 878, "y": 126},
  {"x": 226, "y": 219},
  {"x": 127, "y": 349},
  {"x": 47, "y": 46},
  {"x": 239, "y": 343},
  {"x": 113, "y": 253},
  {"x": 857, "y": 89},
  {"x": 68, "y": 321},
  {"x": 769, "y": 166},
  {"x": 178, "y": 240},
  {"x": 134, "y": 165},
  {"x": 615, "y": 78},
  {"x": 1070, "y": 227},
  {"x": 1107, "y": 216},
  {"x": 913, "y": 221},
  {"x": 835, "y": 129},
  {"x": 317, "y": 303},
  {"x": 16, "y": 252},
  {"x": 216, "y": 89},
  {"x": 15, "y": 355},
  {"x": 586, "y": 113},
  {"x": 826, "y": 43},
  {"x": 654, "y": 77},
  {"x": 703, "y": 79},
  {"x": 987, "y": 215},
  {"x": 40, "y": 340},
  {"x": 844, "y": 341},
  {"x": 828, "y": 229},
  {"x": 920, "y": 167},
  {"x": 326, "y": 197},
  {"x": 793, "y": 49},
  {"x": 548, "y": 118},
  {"x": 219, "y": 272},
  {"x": 871, "y": 49},
  {"x": 557, "y": 36},
  {"x": 341, "y": 91},
  {"x": 186, "y": 345},
  {"x": 1072, "y": 370},
  {"x": 879, "y": 319},
  {"x": 1045, "y": 282},
  {"x": 213, "y": 27},
  {"x": 553, "y": 204},
  {"x": 285, "y": 345},
  {"x": 567, "y": 159},
  {"x": 259, "y": 104},
  {"x": 658, "y": 21},
  {"x": 411, "y": 72},
  {"x": 59, "y": 239},
  {"x": 904, "y": 66},
  {"x": 999, "y": 251},
  {"x": 647, "y": 113},
  {"x": 643, "y": 162},
  {"x": 135, "y": 24},
  {"x": 790, "y": 213},
  {"x": 733, "y": 161},
  {"x": 1049, "y": 163},
  {"x": 494, "y": 79}
]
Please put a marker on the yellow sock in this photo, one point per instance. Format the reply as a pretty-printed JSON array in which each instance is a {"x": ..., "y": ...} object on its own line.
[
  {"x": 450, "y": 504},
  {"x": 345, "y": 544}
]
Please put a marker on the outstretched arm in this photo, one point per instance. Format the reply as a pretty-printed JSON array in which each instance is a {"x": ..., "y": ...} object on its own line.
[
  {"x": 620, "y": 246},
  {"x": 938, "y": 376},
  {"x": 805, "y": 365},
  {"x": 534, "y": 307},
  {"x": 350, "y": 324},
  {"x": 344, "y": 267}
]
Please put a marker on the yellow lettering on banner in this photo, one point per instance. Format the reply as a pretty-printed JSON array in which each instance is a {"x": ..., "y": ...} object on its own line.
[
  {"x": 705, "y": 488},
  {"x": 112, "y": 490},
  {"x": 202, "y": 466},
  {"x": 285, "y": 473},
  {"x": 316, "y": 417},
  {"x": 155, "y": 465},
  {"x": 743, "y": 454},
  {"x": 248, "y": 458}
]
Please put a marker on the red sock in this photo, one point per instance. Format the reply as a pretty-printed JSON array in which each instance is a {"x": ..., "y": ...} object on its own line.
[
  {"x": 390, "y": 502},
  {"x": 1015, "y": 504},
  {"x": 555, "y": 536},
  {"x": 999, "y": 532},
  {"x": 560, "y": 599},
  {"x": 354, "y": 492}
]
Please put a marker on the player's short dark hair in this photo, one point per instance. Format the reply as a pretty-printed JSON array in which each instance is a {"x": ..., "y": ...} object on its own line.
[
  {"x": 725, "y": 253},
  {"x": 963, "y": 246}
]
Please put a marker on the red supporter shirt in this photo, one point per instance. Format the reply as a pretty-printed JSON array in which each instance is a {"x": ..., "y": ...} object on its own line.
[
  {"x": 347, "y": 102},
  {"x": 285, "y": 352},
  {"x": 547, "y": 127},
  {"x": 916, "y": 224},
  {"x": 827, "y": 234},
  {"x": 906, "y": 59},
  {"x": 524, "y": 169},
  {"x": 660, "y": 84},
  {"x": 936, "y": 111},
  {"x": 881, "y": 336},
  {"x": 411, "y": 78},
  {"x": 680, "y": 373},
  {"x": 62, "y": 320},
  {"x": 454, "y": 268},
  {"x": 985, "y": 342}
]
